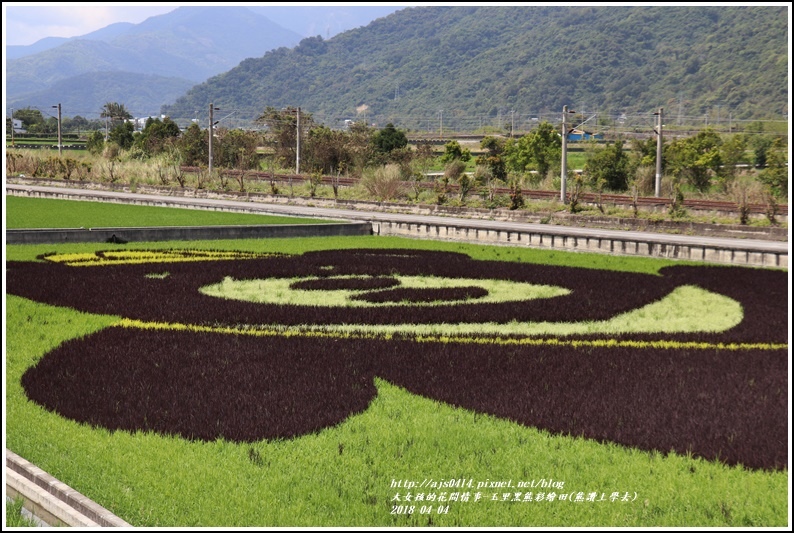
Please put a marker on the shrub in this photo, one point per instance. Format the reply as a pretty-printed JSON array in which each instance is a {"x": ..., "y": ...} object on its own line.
[
  {"x": 11, "y": 161},
  {"x": 384, "y": 183},
  {"x": 744, "y": 190},
  {"x": 111, "y": 150},
  {"x": 95, "y": 143}
]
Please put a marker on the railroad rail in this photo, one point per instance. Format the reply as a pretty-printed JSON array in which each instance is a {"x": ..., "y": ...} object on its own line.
[{"x": 530, "y": 194}]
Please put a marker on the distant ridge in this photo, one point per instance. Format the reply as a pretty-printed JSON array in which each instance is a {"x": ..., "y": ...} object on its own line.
[{"x": 189, "y": 43}]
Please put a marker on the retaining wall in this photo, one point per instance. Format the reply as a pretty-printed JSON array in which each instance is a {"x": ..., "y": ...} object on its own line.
[{"x": 648, "y": 247}]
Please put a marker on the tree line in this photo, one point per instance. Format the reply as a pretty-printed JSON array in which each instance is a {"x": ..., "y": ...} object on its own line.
[{"x": 384, "y": 161}]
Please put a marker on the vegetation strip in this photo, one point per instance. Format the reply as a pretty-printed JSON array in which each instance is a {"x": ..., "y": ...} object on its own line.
[
  {"x": 131, "y": 257},
  {"x": 331, "y": 334}
]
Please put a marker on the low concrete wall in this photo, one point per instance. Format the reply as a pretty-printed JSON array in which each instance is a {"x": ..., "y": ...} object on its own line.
[
  {"x": 647, "y": 247},
  {"x": 189, "y": 233}
]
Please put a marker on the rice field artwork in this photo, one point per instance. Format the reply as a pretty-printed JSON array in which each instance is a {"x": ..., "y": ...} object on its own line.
[{"x": 247, "y": 347}]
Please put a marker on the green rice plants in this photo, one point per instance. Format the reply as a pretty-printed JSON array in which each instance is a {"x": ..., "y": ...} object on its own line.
[{"x": 51, "y": 213}]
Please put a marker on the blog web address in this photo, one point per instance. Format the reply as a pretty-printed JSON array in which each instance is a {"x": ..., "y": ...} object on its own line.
[{"x": 434, "y": 496}]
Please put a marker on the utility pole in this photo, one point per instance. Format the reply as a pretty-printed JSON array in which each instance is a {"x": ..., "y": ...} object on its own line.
[
  {"x": 59, "y": 128},
  {"x": 512, "y": 123},
  {"x": 298, "y": 145},
  {"x": 212, "y": 124},
  {"x": 658, "y": 187},
  {"x": 441, "y": 124},
  {"x": 12, "y": 126},
  {"x": 564, "y": 165}
]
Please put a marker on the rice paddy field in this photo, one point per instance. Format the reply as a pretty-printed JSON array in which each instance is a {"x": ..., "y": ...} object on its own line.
[
  {"x": 388, "y": 382},
  {"x": 23, "y": 212}
]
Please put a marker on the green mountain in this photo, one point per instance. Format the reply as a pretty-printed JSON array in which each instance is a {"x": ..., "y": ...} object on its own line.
[
  {"x": 450, "y": 63},
  {"x": 190, "y": 43},
  {"x": 85, "y": 94}
]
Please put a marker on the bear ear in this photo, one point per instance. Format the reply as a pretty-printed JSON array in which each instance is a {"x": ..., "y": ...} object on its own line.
[{"x": 204, "y": 385}]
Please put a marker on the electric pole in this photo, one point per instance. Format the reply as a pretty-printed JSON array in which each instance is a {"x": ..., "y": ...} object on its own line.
[
  {"x": 298, "y": 144},
  {"x": 564, "y": 165},
  {"x": 658, "y": 187},
  {"x": 59, "y": 128},
  {"x": 441, "y": 124},
  {"x": 212, "y": 124}
]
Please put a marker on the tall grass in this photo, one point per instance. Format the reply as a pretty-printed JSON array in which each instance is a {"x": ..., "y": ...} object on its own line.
[{"x": 15, "y": 516}]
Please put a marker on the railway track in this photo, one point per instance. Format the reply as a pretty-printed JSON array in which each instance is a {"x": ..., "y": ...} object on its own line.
[{"x": 530, "y": 194}]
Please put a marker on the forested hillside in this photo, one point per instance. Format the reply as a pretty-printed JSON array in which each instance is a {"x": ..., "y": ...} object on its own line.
[
  {"x": 190, "y": 43},
  {"x": 85, "y": 94},
  {"x": 465, "y": 61}
]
